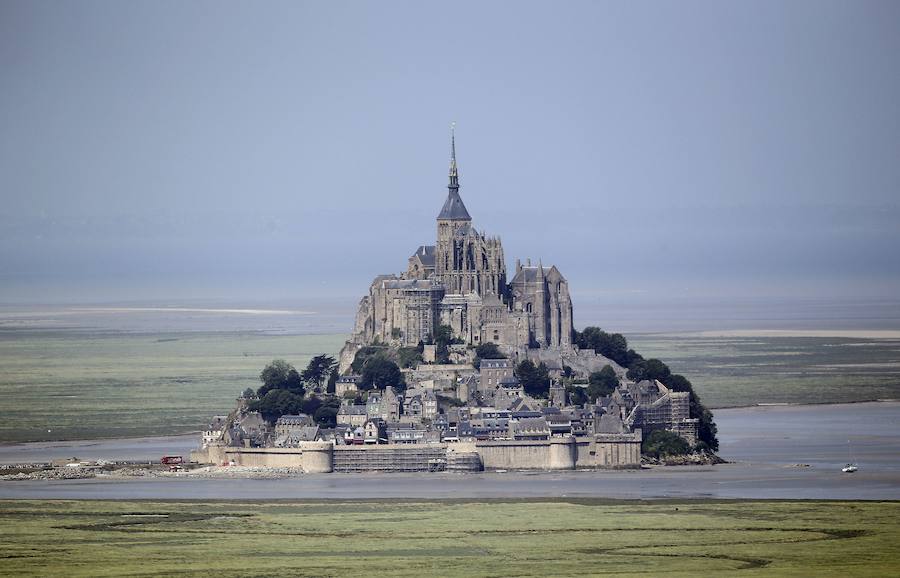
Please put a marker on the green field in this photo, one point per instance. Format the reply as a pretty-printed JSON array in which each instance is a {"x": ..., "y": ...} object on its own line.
[
  {"x": 737, "y": 371},
  {"x": 450, "y": 538},
  {"x": 96, "y": 385}
]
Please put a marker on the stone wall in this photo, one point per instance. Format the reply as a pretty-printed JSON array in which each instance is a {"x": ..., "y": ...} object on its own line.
[
  {"x": 313, "y": 457},
  {"x": 560, "y": 453},
  {"x": 609, "y": 451}
]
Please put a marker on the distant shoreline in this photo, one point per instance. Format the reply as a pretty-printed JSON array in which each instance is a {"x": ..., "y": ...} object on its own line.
[{"x": 792, "y": 404}]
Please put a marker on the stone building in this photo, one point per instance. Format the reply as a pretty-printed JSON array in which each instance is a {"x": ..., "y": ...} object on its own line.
[
  {"x": 461, "y": 282},
  {"x": 650, "y": 406},
  {"x": 493, "y": 371}
]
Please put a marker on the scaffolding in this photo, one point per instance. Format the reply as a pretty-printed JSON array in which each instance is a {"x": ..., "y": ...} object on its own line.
[{"x": 384, "y": 458}]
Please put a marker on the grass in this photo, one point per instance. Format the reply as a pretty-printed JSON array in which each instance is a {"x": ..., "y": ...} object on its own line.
[
  {"x": 735, "y": 371},
  {"x": 449, "y": 538},
  {"x": 96, "y": 385}
]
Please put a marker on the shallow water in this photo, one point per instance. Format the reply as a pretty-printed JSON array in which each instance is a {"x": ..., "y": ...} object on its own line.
[{"x": 765, "y": 443}]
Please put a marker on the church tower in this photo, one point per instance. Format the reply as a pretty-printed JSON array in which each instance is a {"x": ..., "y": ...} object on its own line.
[
  {"x": 452, "y": 223},
  {"x": 466, "y": 261}
]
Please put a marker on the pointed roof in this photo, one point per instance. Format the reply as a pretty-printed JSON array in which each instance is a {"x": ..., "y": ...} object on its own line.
[{"x": 453, "y": 209}]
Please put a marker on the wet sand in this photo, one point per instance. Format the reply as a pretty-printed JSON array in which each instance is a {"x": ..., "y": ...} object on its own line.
[
  {"x": 781, "y": 452},
  {"x": 130, "y": 449}
]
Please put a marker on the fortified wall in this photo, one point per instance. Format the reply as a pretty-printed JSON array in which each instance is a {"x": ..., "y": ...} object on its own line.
[{"x": 602, "y": 451}]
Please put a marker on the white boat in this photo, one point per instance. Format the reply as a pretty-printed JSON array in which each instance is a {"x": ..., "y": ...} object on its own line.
[{"x": 850, "y": 467}]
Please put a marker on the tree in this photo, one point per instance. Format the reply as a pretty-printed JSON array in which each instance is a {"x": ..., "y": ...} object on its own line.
[
  {"x": 489, "y": 350},
  {"x": 332, "y": 380},
  {"x": 610, "y": 345},
  {"x": 535, "y": 379},
  {"x": 662, "y": 443},
  {"x": 602, "y": 383},
  {"x": 318, "y": 370},
  {"x": 326, "y": 415},
  {"x": 280, "y": 374},
  {"x": 379, "y": 372},
  {"x": 363, "y": 355},
  {"x": 310, "y": 405},
  {"x": 276, "y": 403},
  {"x": 577, "y": 395},
  {"x": 409, "y": 356},
  {"x": 248, "y": 393},
  {"x": 443, "y": 337}
]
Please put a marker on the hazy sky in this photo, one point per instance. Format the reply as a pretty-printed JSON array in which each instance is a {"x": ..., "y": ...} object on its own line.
[{"x": 169, "y": 150}]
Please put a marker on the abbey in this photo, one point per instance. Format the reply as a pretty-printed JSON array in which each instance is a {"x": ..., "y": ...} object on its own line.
[{"x": 461, "y": 281}]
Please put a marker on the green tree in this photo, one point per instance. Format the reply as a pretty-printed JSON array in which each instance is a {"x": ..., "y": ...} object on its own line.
[
  {"x": 610, "y": 345},
  {"x": 535, "y": 379},
  {"x": 310, "y": 405},
  {"x": 602, "y": 383},
  {"x": 577, "y": 395},
  {"x": 276, "y": 403},
  {"x": 332, "y": 379},
  {"x": 248, "y": 393},
  {"x": 489, "y": 350},
  {"x": 280, "y": 374},
  {"x": 326, "y": 415},
  {"x": 662, "y": 443},
  {"x": 443, "y": 337},
  {"x": 379, "y": 372},
  {"x": 318, "y": 370},
  {"x": 363, "y": 354},
  {"x": 409, "y": 356}
]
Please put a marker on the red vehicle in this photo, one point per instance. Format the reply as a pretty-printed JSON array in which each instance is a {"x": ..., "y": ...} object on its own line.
[{"x": 171, "y": 460}]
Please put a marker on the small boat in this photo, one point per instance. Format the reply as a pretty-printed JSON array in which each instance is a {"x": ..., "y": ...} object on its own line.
[{"x": 850, "y": 467}]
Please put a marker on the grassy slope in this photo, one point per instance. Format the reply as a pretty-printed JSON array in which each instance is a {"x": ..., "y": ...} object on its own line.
[{"x": 522, "y": 538}]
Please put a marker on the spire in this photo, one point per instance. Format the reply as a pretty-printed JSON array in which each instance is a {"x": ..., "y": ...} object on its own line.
[
  {"x": 453, "y": 209},
  {"x": 454, "y": 174}
]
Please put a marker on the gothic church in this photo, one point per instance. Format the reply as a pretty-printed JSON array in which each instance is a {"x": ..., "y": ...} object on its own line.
[{"x": 461, "y": 281}]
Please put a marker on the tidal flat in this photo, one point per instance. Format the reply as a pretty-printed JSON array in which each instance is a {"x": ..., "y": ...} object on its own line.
[
  {"x": 67, "y": 385},
  {"x": 543, "y": 537}
]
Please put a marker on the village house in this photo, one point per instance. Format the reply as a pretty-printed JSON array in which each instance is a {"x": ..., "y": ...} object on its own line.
[
  {"x": 494, "y": 370},
  {"x": 289, "y": 423},
  {"x": 346, "y": 384},
  {"x": 532, "y": 428},
  {"x": 351, "y": 415},
  {"x": 375, "y": 431},
  {"x": 214, "y": 430}
]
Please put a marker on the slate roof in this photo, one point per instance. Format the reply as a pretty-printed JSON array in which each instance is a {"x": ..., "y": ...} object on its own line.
[
  {"x": 425, "y": 253},
  {"x": 299, "y": 420},
  {"x": 454, "y": 209},
  {"x": 526, "y": 275}
]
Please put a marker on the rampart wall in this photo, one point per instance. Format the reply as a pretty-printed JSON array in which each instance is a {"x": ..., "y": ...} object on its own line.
[{"x": 606, "y": 451}]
